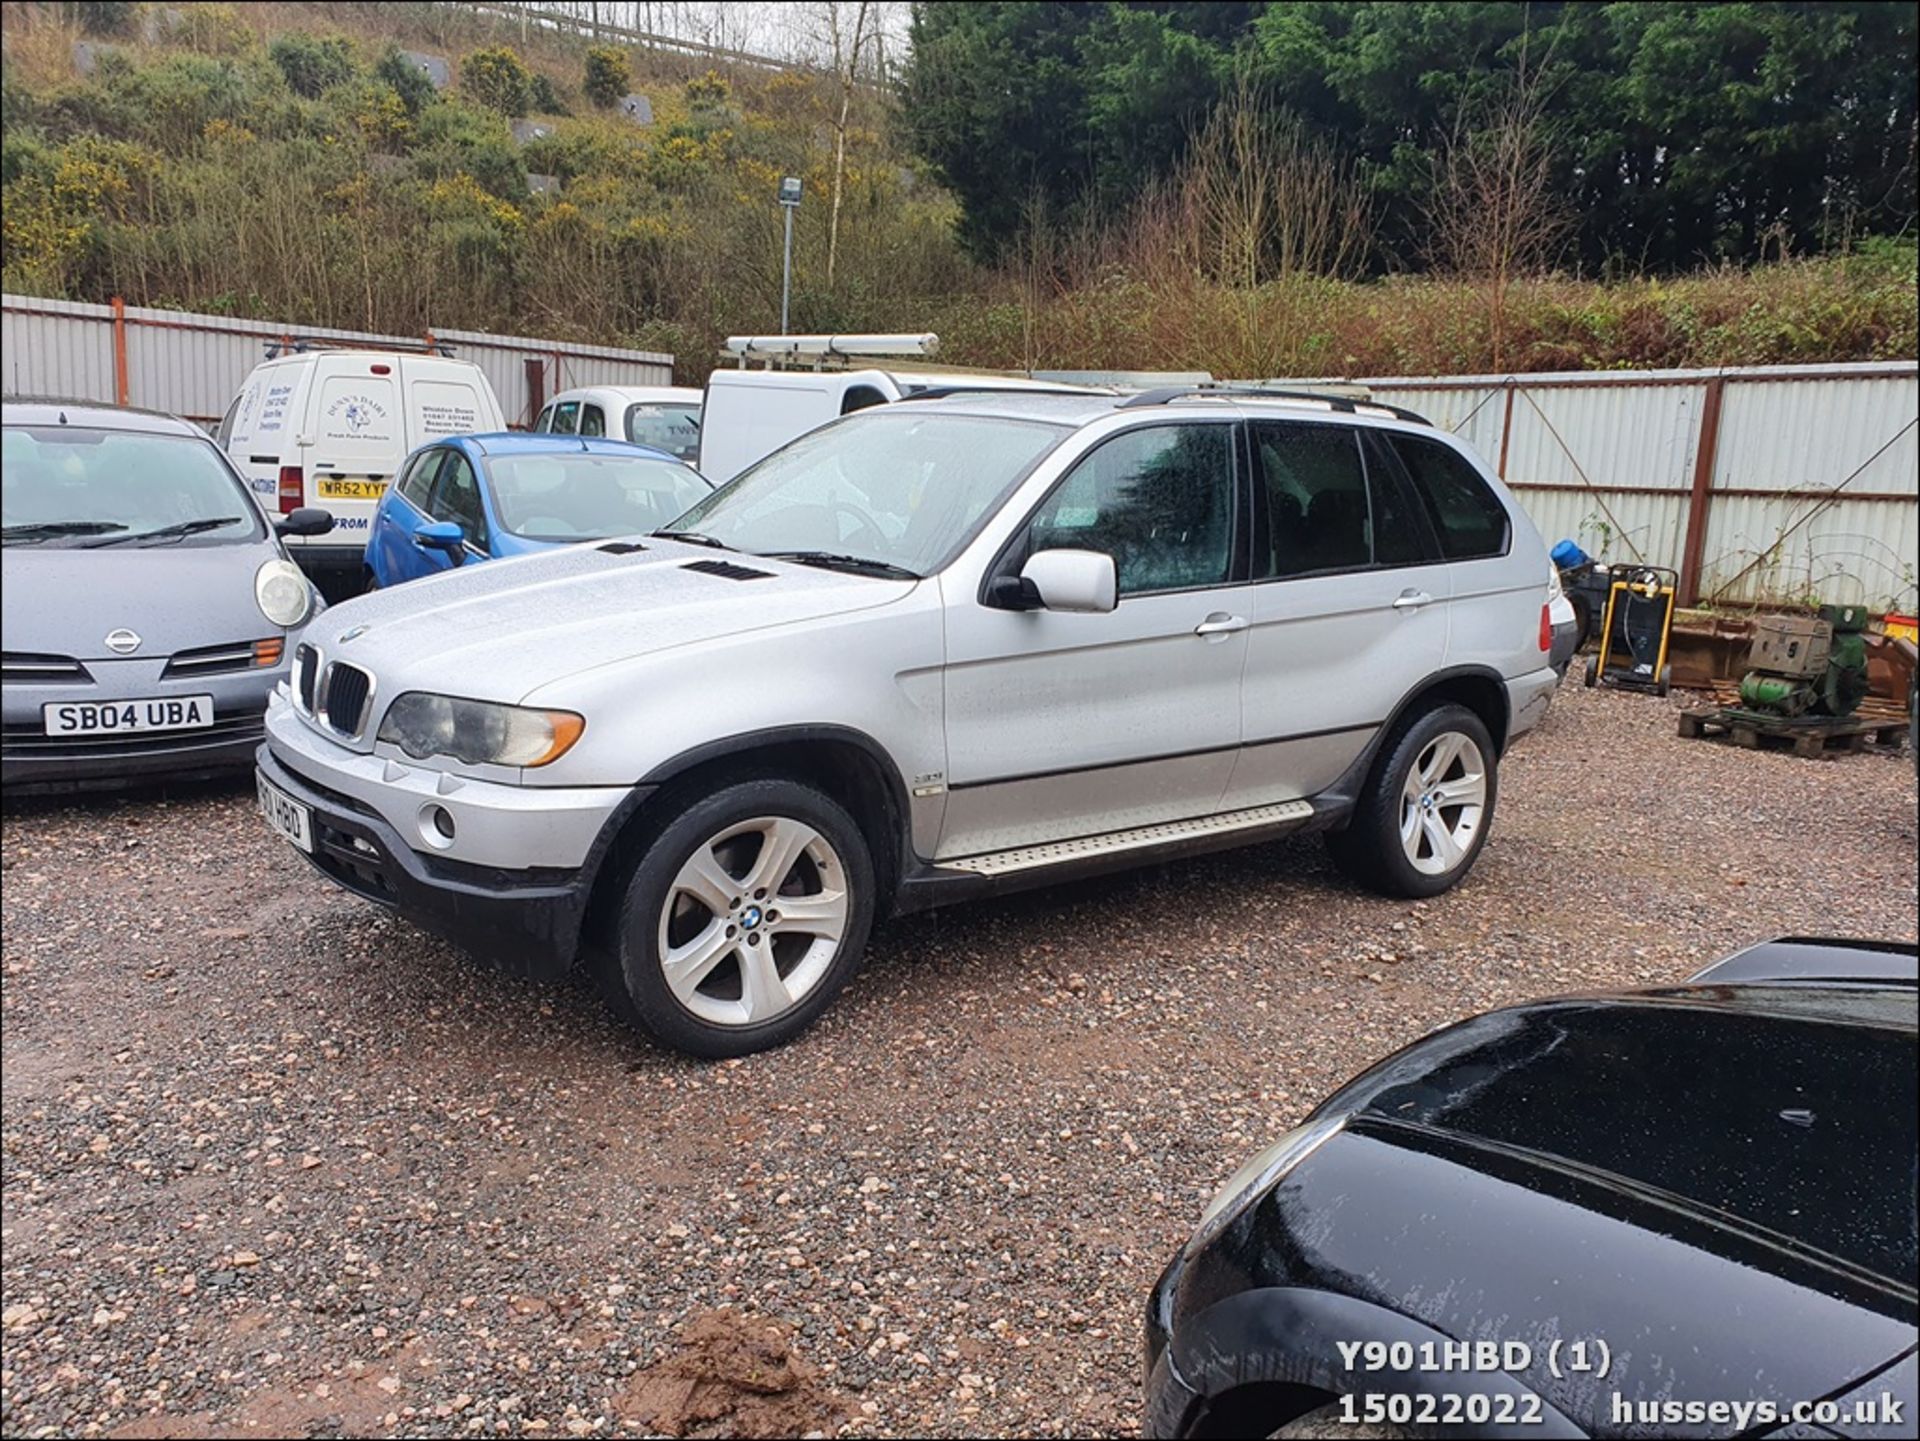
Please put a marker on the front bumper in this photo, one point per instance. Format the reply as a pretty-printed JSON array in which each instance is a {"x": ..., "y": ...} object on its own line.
[
  {"x": 31, "y": 760},
  {"x": 514, "y": 883},
  {"x": 527, "y": 921}
]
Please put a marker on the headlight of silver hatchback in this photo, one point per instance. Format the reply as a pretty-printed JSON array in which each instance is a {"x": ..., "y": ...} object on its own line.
[
  {"x": 479, "y": 732},
  {"x": 1261, "y": 1173},
  {"x": 282, "y": 593}
]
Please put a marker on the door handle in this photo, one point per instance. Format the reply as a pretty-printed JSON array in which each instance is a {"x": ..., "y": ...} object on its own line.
[
  {"x": 1411, "y": 600},
  {"x": 1220, "y": 624}
]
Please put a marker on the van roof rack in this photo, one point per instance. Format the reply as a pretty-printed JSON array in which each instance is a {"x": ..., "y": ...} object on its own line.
[
  {"x": 1343, "y": 404},
  {"x": 277, "y": 348}
]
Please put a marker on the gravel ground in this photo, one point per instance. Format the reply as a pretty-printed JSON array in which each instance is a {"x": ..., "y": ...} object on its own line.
[{"x": 275, "y": 1163}]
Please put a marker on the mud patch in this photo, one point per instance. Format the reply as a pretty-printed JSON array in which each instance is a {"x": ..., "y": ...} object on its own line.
[{"x": 733, "y": 1375}]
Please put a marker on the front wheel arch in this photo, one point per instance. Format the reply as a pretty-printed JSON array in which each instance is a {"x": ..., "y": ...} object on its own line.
[{"x": 841, "y": 762}]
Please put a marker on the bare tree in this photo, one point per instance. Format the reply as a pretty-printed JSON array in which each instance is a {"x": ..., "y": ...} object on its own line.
[
  {"x": 1261, "y": 199},
  {"x": 1493, "y": 215},
  {"x": 850, "y": 26}
]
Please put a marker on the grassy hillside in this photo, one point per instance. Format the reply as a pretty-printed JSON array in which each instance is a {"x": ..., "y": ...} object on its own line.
[{"x": 283, "y": 161}]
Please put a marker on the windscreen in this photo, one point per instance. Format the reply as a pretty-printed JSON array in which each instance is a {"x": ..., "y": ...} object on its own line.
[
  {"x": 75, "y": 485},
  {"x": 894, "y": 486},
  {"x": 674, "y": 428},
  {"x": 581, "y": 496}
]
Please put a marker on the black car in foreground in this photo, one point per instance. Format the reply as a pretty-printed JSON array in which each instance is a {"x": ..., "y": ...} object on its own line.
[{"x": 1677, "y": 1212}]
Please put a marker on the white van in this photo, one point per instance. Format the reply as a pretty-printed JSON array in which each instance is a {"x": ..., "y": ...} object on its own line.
[
  {"x": 666, "y": 417},
  {"x": 749, "y": 414},
  {"x": 329, "y": 428}
]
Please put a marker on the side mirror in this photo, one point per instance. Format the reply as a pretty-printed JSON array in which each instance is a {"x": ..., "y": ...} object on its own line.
[
  {"x": 443, "y": 535},
  {"x": 307, "y": 520},
  {"x": 1075, "y": 581}
]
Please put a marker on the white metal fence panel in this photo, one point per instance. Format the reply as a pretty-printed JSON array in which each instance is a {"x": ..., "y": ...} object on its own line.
[
  {"x": 65, "y": 349},
  {"x": 193, "y": 365},
  {"x": 1816, "y": 492}
]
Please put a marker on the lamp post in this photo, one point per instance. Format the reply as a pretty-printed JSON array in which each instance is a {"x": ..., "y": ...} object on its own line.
[{"x": 789, "y": 202}]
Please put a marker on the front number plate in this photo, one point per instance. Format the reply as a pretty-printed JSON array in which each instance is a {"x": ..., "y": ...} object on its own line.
[
  {"x": 123, "y": 717},
  {"x": 292, "y": 820}
]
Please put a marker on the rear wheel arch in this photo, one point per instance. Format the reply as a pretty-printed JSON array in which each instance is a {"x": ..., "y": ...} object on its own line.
[{"x": 1479, "y": 689}]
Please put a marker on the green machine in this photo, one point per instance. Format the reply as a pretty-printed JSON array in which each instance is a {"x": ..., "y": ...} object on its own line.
[{"x": 1808, "y": 665}]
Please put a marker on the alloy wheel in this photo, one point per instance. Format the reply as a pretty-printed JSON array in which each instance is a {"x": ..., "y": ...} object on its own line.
[
  {"x": 1443, "y": 803},
  {"x": 753, "y": 921}
]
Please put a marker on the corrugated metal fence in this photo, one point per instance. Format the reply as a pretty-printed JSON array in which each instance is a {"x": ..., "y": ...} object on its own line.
[
  {"x": 1759, "y": 485},
  {"x": 193, "y": 365}
]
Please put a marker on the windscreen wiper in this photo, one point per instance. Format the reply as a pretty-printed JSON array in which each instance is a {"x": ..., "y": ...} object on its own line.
[
  {"x": 692, "y": 537},
  {"x": 53, "y": 529},
  {"x": 833, "y": 560},
  {"x": 170, "y": 532}
]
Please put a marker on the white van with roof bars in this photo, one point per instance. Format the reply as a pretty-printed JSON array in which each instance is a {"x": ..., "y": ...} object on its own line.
[{"x": 329, "y": 428}]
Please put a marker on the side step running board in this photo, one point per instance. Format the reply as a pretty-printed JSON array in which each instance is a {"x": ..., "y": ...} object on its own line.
[{"x": 1029, "y": 858}]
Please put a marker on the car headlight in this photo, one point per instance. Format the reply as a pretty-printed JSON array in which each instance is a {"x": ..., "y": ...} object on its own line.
[
  {"x": 1254, "y": 1178},
  {"x": 282, "y": 593},
  {"x": 477, "y": 731}
]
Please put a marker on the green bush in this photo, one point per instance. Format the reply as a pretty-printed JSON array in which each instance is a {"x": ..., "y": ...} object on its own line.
[
  {"x": 546, "y": 96},
  {"x": 609, "y": 76},
  {"x": 408, "y": 80},
  {"x": 499, "y": 79},
  {"x": 452, "y": 139},
  {"x": 312, "y": 64}
]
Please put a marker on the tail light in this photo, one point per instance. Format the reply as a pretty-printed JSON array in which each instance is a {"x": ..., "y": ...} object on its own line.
[
  {"x": 1546, "y": 626},
  {"x": 293, "y": 489}
]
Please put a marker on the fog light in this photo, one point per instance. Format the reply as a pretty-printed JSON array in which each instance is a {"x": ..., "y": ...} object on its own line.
[{"x": 436, "y": 826}]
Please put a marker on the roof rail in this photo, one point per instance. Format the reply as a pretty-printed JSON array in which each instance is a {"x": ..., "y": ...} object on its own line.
[
  {"x": 1345, "y": 405},
  {"x": 960, "y": 387}
]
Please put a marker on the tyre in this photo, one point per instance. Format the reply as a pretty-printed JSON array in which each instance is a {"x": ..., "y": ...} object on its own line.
[
  {"x": 1665, "y": 682},
  {"x": 369, "y": 582},
  {"x": 742, "y": 920},
  {"x": 1421, "y": 820},
  {"x": 1593, "y": 673}
]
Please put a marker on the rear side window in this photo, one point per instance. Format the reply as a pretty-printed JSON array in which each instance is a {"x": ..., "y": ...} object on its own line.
[
  {"x": 593, "y": 420},
  {"x": 417, "y": 484},
  {"x": 859, "y": 397},
  {"x": 1471, "y": 522},
  {"x": 1327, "y": 508},
  {"x": 545, "y": 422},
  {"x": 566, "y": 417}
]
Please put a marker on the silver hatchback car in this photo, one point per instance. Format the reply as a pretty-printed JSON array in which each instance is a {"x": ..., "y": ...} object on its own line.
[
  {"x": 149, "y": 607},
  {"x": 930, "y": 651}
]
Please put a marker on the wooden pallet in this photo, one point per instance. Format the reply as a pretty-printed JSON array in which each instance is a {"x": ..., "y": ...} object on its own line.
[{"x": 1811, "y": 738}]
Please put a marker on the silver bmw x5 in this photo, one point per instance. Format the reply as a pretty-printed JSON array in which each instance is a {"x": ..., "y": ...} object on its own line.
[{"x": 926, "y": 653}]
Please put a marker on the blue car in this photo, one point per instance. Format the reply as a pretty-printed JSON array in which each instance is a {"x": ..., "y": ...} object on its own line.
[{"x": 474, "y": 497}]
